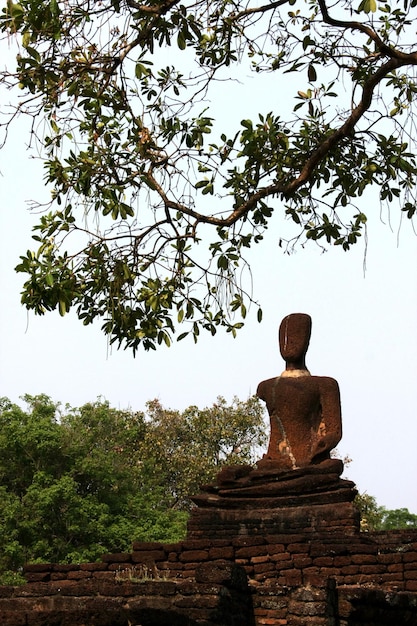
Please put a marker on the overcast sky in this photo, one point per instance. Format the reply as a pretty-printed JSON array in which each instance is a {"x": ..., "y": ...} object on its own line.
[{"x": 364, "y": 335}]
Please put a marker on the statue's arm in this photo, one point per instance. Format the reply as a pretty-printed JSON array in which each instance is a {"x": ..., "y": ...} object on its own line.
[{"x": 331, "y": 415}]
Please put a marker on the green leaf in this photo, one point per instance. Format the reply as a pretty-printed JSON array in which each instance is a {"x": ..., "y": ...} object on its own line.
[
  {"x": 26, "y": 37},
  {"x": 62, "y": 308},
  {"x": 201, "y": 183},
  {"x": 312, "y": 74},
  {"x": 54, "y": 8},
  {"x": 223, "y": 262},
  {"x": 367, "y": 6},
  {"x": 181, "y": 41}
]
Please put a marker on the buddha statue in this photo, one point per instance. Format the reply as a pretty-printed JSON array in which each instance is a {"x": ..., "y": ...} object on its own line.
[{"x": 304, "y": 410}]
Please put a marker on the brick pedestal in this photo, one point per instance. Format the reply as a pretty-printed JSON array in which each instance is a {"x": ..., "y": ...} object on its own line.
[
  {"x": 247, "y": 501},
  {"x": 338, "y": 517}
]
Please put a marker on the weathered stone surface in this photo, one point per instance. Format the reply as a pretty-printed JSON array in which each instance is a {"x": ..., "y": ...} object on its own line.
[
  {"x": 228, "y": 574},
  {"x": 304, "y": 410},
  {"x": 291, "y": 577},
  {"x": 148, "y": 556},
  {"x": 360, "y": 606},
  {"x": 122, "y": 557},
  {"x": 259, "y": 520}
]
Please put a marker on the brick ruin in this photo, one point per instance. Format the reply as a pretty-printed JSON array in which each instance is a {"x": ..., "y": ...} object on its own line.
[
  {"x": 294, "y": 579},
  {"x": 278, "y": 544}
]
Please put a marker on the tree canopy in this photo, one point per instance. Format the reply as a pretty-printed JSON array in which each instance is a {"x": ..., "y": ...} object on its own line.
[
  {"x": 76, "y": 483},
  {"x": 376, "y": 517},
  {"x": 154, "y": 205}
]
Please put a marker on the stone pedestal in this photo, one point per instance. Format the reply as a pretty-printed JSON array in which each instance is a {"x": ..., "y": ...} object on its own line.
[{"x": 270, "y": 501}]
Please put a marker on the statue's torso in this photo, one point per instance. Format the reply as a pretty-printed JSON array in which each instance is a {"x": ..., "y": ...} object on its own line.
[{"x": 294, "y": 406}]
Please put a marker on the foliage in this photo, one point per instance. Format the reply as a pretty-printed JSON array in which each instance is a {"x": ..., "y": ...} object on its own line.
[
  {"x": 154, "y": 207},
  {"x": 398, "y": 518},
  {"x": 375, "y": 517},
  {"x": 75, "y": 483},
  {"x": 10, "y": 578},
  {"x": 189, "y": 448}
]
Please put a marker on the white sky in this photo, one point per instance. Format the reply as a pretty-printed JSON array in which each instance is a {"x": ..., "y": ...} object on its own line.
[{"x": 364, "y": 335}]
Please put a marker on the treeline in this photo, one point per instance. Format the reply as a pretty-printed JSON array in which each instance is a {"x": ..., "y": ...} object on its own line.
[
  {"x": 376, "y": 517},
  {"x": 76, "y": 483}
]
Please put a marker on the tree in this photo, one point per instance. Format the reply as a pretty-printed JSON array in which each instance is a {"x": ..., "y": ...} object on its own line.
[
  {"x": 76, "y": 483},
  {"x": 393, "y": 519},
  {"x": 153, "y": 207},
  {"x": 71, "y": 485},
  {"x": 375, "y": 517},
  {"x": 187, "y": 449}
]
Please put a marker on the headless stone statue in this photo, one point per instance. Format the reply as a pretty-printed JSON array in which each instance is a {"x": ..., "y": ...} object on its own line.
[{"x": 304, "y": 410}]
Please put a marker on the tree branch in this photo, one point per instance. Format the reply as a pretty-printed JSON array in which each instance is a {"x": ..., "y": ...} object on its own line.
[
  {"x": 320, "y": 153},
  {"x": 158, "y": 10},
  {"x": 262, "y": 9},
  {"x": 363, "y": 28}
]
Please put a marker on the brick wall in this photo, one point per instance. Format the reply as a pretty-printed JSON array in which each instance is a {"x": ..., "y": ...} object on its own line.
[
  {"x": 386, "y": 559},
  {"x": 296, "y": 579},
  {"x": 217, "y": 595}
]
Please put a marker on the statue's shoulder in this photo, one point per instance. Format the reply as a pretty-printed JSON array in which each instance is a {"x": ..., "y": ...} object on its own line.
[
  {"x": 327, "y": 381},
  {"x": 265, "y": 386},
  {"x": 328, "y": 386}
]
